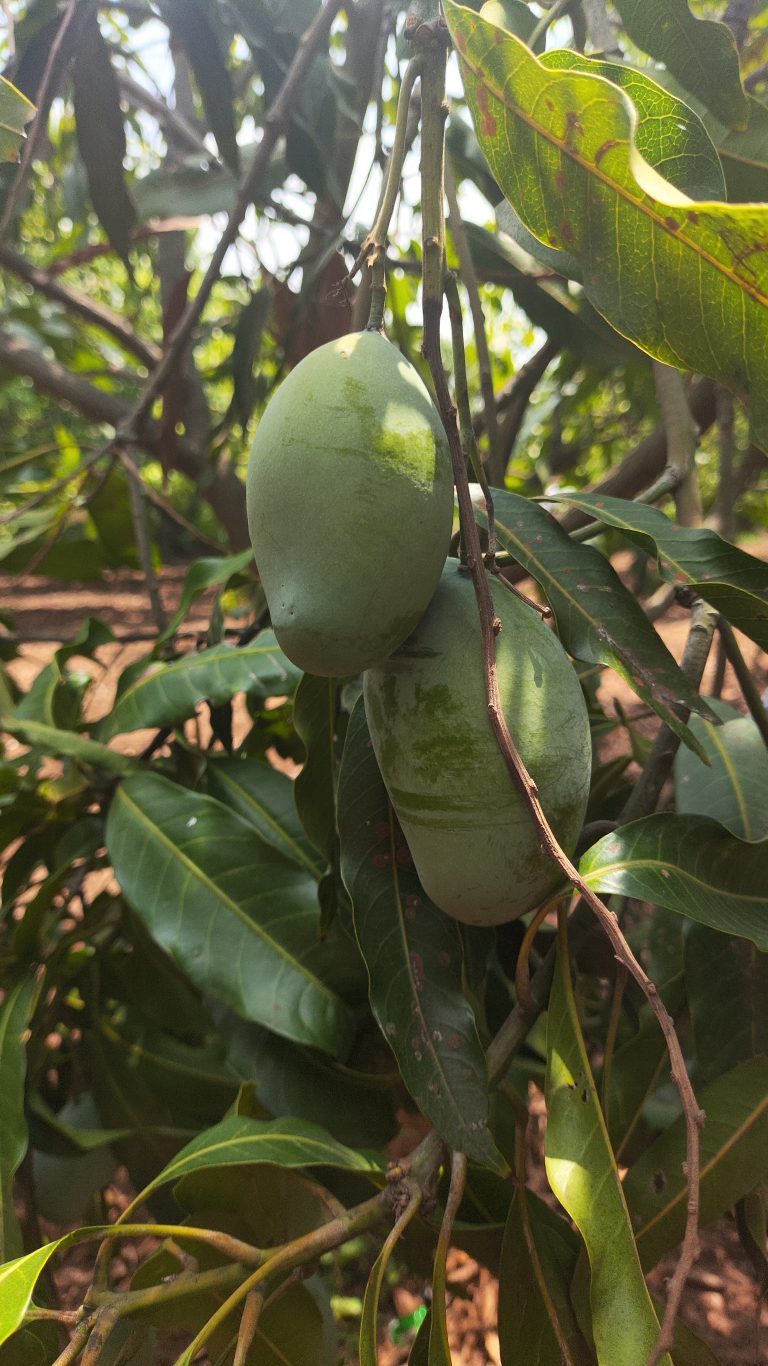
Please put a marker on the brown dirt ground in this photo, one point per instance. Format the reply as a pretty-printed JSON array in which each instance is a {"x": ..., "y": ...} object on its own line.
[{"x": 722, "y": 1301}]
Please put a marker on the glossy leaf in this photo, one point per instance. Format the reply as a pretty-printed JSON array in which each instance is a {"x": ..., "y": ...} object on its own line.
[
  {"x": 598, "y": 619},
  {"x": 734, "y": 788},
  {"x": 15, "y": 1013},
  {"x": 314, "y": 716},
  {"x": 265, "y": 798},
  {"x": 237, "y": 917},
  {"x": 190, "y": 24},
  {"x": 538, "y": 1263},
  {"x": 690, "y": 865},
  {"x": 582, "y": 1174},
  {"x": 204, "y": 574},
  {"x": 692, "y": 290},
  {"x": 413, "y": 954},
  {"x": 101, "y": 135},
  {"x": 70, "y": 745},
  {"x": 166, "y": 694},
  {"x": 240, "y": 1141},
  {"x": 726, "y": 982},
  {"x": 734, "y": 1160},
  {"x": 699, "y": 52},
  {"x": 15, "y": 113},
  {"x": 731, "y": 580}
]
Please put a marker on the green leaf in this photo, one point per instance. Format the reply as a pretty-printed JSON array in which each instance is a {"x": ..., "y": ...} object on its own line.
[
  {"x": 369, "y": 1322},
  {"x": 690, "y": 865},
  {"x": 101, "y": 135},
  {"x": 52, "y": 700},
  {"x": 692, "y": 289},
  {"x": 314, "y": 716},
  {"x": 68, "y": 744},
  {"x": 582, "y": 1174},
  {"x": 240, "y": 1141},
  {"x": 15, "y": 112},
  {"x": 167, "y": 694},
  {"x": 204, "y": 574},
  {"x": 414, "y": 957},
  {"x": 639, "y": 1066},
  {"x": 35, "y": 1344},
  {"x": 237, "y": 917},
  {"x": 731, "y": 580},
  {"x": 516, "y": 17},
  {"x": 734, "y": 1160},
  {"x": 538, "y": 1262},
  {"x": 699, "y": 52},
  {"x": 191, "y": 26},
  {"x": 265, "y": 798},
  {"x": 726, "y": 982},
  {"x": 15, "y": 1014},
  {"x": 743, "y": 152},
  {"x": 734, "y": 788},
  {"x": 598, "y": 619}
]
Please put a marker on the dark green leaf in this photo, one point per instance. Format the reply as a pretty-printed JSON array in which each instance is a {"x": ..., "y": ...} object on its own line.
[
  {"x": 15, "y": 112},
  {"x": 538, "y": 1262},
  {"x": 166, "y": 694},
  {"x": 734, "y": 1160},
  {"x": 15, "y": 1013},
  {"x": 36, "y": 1344},
  {"x": 314, "y": 716},
  {"x": 692, "y": 291},
  {"x": 101, "y": 135},
  {"x": 191, "y": 26},
  {"x": 265, "y": 798},
  {"x": 240, "y": 919},
  {"x": 582, "y": 1173},
  {"x": 639, "y": 1066},
  {"x": 249, "y": 331},
  {"x": 699, "y": 52},
  {"x": 203, "y": 574},
  {"x": 726, "y": 982},
  {"x": 731, "y": 580},
  {"x": 369, "y": 1322},
  {"x": 68, "y": 744},
  {"x": 598, "y": 619},
  {"x": 413, "y": 954},
  {"x": 734, "y": 788},
  {"x": 691, "y": 865}
]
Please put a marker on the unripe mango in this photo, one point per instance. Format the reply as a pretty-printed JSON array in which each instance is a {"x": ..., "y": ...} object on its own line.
[
  {"x": 350, "y": 504},
  {"x": 471, "y": 837}
]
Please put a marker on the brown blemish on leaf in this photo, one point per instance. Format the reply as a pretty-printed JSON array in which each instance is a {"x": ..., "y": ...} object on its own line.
[
  {"x": 606, "y": 147},
  {"x": 672, "y": 224},
  {"x": 489, "y": 124},
  {"x": 566, "y": 229}
]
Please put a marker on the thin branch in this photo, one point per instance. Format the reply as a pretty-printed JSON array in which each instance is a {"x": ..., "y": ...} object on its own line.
[
  {"x": 76, "y": 1344},
  {"x": 549, "y": 17},
  {"x": 469, "y": 445},
  {"x": 681, "y": 442},
  {"x": 375, "y": 243},
  {"x": 433, "y": 86},
  {"x": 248, "y": 1325},
  {"x": 452, "y": 1205},
  {"x": 749, "y": 689},
  {"x": 45, "y": 96}
]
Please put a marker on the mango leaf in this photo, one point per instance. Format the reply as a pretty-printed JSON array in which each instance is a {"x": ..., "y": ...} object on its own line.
[
  {"x": 241, "y": 1141},
  {"x": 314, "y": 716},
  {"x": 204, "y": 574},
  {"x": 731, "y": 580},
  {"x": 15, "y": 1014},
  {"x": 35, "y": 1344},
  {"x": 582, "y": 1174},
  {"x": 692, "y": 291},
  {"x": 413, "y": 954},
  {"x": 734, "y": 788},
  {"x": 166, "y": 694},
  {"x": 237, "y": 917},
  {"x": 726, "y": 982},
  {"x": 101, "y": 135},
  {"x": 516, "y": 17},
  {"x": 191, "y": 27},
  {"x": 734, "y": 1160},
  {"x": 265, "y": 798},
  {"x": 699, "y": 52},
  {"x": 15, "y": 112},
  {"x": 639, "y": 1066},
  {"x": 538, "y": 1262},
  {"x": 19, "y": 1277},
  {"x": 51, "y": 699},
  {"x": 69, "y": 744},
  {"x": 598, "y": 619},
  {"x": 743, "y": 152},
  {"x": 690, "y": 865}
]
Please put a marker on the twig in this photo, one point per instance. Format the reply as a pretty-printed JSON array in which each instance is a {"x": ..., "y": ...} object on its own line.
[
  {"x": 452, "y": 1204},
  {"x": 522, "y": 966},
  {"x": 553, "y": 13},
  {"x": 749, "y": 689},
  {"x": 681, "y": 442},
  {"x": 104, "y": 1322},
  {"x": 469, "y": 445},
  {"x": 433, "y": 86},
  {"x": 496, "y": 462},
  {"x": 76, "y": 1344},
  {"x": 45, "y": 95},
  {"x": 375, "y": 243},
  {"x": 248, "y": 1325}
]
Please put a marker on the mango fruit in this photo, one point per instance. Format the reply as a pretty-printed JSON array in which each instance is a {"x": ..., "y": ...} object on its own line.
[
  {"x": 350, "y": 504},
  {"x": 471, "y": 837}
]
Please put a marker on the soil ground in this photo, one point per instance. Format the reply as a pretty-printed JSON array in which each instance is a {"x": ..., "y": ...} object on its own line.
[{"x": 722, "y": 1301}]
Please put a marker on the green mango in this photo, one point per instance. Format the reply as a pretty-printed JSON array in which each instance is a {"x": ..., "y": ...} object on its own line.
[
  {"x": 350, "y": 504},
  {"x": 471, "y": 837}
]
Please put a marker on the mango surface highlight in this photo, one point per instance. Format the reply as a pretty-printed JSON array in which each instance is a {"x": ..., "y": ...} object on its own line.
[
  {"x": 471, "y": 837},
  {"x": 350, "y": 504}
]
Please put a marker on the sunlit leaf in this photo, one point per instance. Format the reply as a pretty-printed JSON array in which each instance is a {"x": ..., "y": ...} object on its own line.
[
  {"x": 15, "y": 113},
  {"x": 203, "y": 574}
]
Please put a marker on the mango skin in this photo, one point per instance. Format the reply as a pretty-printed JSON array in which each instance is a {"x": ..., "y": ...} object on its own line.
[
  {"x": 471, "y": 837},
  {"x": 350, "y": 504}
]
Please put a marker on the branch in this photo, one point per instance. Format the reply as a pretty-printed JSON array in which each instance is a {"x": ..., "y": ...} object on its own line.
[
  {"x": 170, "y": 119},
  {"x": 433, "y": 87}
]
